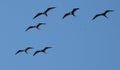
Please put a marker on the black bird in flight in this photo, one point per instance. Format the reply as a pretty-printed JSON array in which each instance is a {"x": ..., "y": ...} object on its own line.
[
  {"x": 43, "y": 50},
  {"x": 43, "y": 13},
  {"x": 35, "y": 26},
  {"x": 102, "y": 14},
  {"x": 71, "y": 12},
  {"x": 24, "y": 50}
]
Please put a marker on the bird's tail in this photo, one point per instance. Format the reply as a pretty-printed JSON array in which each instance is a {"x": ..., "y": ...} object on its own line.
[
  {"x": 33, "y": 54},
  {"x": 38, "y": 28},
  {"x": 73, "y": 14},
  {"x": 46, "y": 14},
  {"x": 105, "y": 16},
  {"x": 45, "y": 52},
  {"x": 26, "y": 52}
]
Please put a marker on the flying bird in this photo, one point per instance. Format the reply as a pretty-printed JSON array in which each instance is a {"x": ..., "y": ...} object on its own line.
[
  {"x": 24, "y": 50},
  {"x": 71, "y": 12},
  {"x": 35, "y": 26},
  {"x": 43, "y": 50},
  {"x": 102, "y": 14},
  {"x": 44, "y": 13}
]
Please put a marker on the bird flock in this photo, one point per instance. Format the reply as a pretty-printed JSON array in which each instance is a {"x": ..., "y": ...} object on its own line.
[
  {"x": 65, "y": 15},
  {"x": 36, "y": 52},
  {"x": 45, "y": 13}
]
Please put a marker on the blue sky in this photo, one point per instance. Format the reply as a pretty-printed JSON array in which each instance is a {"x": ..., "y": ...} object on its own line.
[{"x": 78, "y": 42}]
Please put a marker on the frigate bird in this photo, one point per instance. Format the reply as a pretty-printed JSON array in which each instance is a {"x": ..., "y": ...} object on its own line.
[
  {"x": 102, "y": 14},
  {"x": 35, "y": 26},
  {"x": 71, "y": 12},
  {"x": 24, "y": 50},
  {"x": 43, "y": 50},
  {"x": 43, "y": 13}
]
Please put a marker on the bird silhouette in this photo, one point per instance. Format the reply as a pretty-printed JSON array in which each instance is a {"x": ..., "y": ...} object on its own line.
[
  {"x": 71, "y": 12},
  {"x": 35, "y": 26},
  {"x": 43, "y": 50},
  {"x": 43, "y": 13},
  {"x": 102, "y": 14},
  {"x": 24, "y": 50}
]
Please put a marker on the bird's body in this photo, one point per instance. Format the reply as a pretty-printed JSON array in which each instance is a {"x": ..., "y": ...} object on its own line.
[
  {"x": 71, "y": 12},
  {"x": 35, "y": 26},
  {"x": 24, "y": 50},
  {"x": 43, "y": 13},
  {"x": 102, "y": 14},
  {"x": 43, "y": 50}
]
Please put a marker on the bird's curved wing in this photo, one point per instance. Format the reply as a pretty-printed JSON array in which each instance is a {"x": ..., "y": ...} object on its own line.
[
  {"x": 37, "y": 15},
  {"x": 29, "y": 28},
  {"x": 49, "y": 9},
  {"x": 40, "y": 24},
  {"x": 36, "y": 52},
  {"x": 28, "y": 49},
  {"x": 96, "y": 16},
  {"x": 67, "y": 14},
  {"x": 108, "y": 11},
  {"x": 75, "y": 9},
  {"x": 46, "y": 48},
  {"x": 19, "y": 51}
]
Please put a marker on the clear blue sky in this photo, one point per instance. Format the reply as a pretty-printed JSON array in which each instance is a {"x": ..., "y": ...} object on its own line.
[{"x": 78, "y": 42}]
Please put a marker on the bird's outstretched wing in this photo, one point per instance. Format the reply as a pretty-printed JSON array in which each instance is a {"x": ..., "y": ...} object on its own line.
[
  {"x": 46, "y": 48},
  {"x": 106, "y": 11},
  {"x": 96, "y": 16},
  {"x": 49, "y": 9},
  {"x": 75, "y": 9},
  {"x": 67, "y": 14},
  {"x": 29, "y": 48},
  {"x": 19, "y": 51},
  {"x": 29, "y": 28},
  {"x": 40, "y": 24},
  {"x": 36, "y": 52},
  {"x": 37, "y": 15}
]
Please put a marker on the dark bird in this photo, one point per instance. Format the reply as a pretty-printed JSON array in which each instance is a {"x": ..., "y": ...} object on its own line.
[
  {"x": 102, "y": 14},
  {"x": 71, "y": 12},
  {"x": 24, "y": 50},
  {"x": 43, "y": 50},
  {"x": 43, "y": 13},
  {"x": 35, "y": 26}
]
